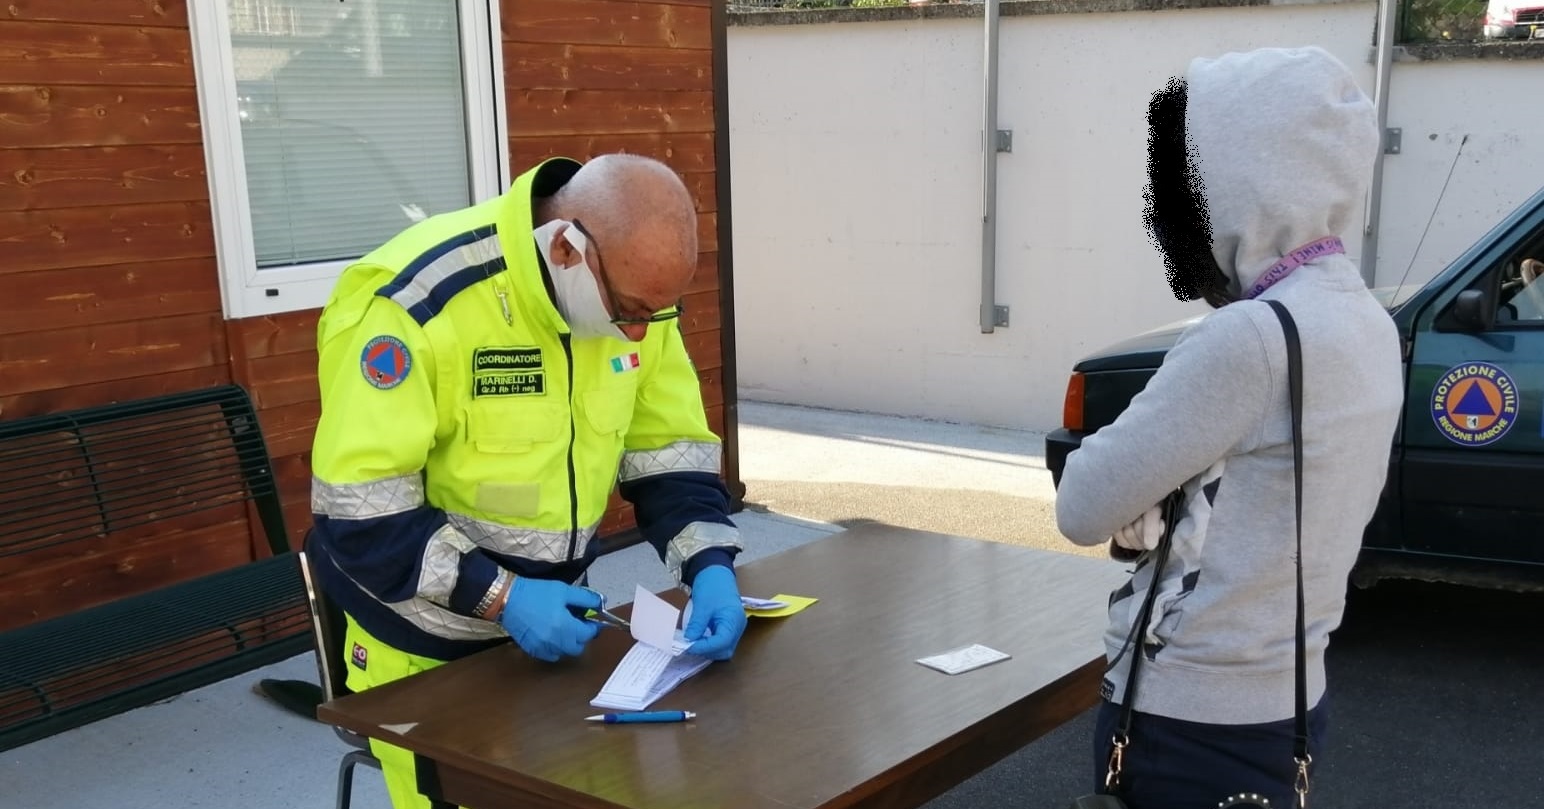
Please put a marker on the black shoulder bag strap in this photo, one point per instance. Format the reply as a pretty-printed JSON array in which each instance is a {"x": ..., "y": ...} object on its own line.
[
  {"x": 1135, "y": 643},
  {"x": 1295, "y": 391}
]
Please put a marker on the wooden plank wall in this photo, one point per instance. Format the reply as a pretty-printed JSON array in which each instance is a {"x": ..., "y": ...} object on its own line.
[
  {"x": 274, "y": 358},
  {"x": 587, "y": 77},
  {"x": 108, "y": 265},
  {"x": 106, "y": 252}
]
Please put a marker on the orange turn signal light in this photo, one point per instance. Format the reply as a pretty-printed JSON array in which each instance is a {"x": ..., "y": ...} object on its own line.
[{"x": 1072, "y": 406}]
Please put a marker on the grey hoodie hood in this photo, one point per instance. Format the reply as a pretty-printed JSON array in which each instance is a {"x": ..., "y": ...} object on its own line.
[{"x": 1284, "y": 141}]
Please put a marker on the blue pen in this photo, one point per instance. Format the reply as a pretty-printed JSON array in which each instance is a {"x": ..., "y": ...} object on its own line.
[{"x": 642, "y": 716}]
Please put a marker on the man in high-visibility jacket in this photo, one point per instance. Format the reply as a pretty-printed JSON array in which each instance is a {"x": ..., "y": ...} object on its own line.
[{"x": 487, "y": 379}]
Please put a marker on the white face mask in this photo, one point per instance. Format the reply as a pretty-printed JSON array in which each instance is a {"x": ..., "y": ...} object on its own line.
[{"x": 576, "y": 287}]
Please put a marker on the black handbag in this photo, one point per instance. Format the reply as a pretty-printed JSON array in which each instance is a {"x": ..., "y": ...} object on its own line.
[{"x": 1109, "y": 797}]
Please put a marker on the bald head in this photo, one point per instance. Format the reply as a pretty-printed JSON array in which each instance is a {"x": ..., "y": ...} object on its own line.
[{"x": 643, "y": 222}]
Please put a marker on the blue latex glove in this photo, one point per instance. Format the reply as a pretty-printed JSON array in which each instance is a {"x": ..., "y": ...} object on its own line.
[
  {"x": 718, "y": 617},
  {"x": 536, "y": 615}
]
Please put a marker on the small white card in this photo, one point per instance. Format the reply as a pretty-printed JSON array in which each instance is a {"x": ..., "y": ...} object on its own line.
[{"x": 965, "y": 658}]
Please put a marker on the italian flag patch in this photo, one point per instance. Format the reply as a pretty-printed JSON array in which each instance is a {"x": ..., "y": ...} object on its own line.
[{"x": 624, "y": 363}]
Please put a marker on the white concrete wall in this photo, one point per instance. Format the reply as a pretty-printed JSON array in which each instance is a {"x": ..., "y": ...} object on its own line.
[
  {"x": 857, "y": 195},
  {"x": 1436, "y": 104}
]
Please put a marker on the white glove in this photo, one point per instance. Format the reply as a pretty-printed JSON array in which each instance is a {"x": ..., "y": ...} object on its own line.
[{"x": 1143, "y": 533}]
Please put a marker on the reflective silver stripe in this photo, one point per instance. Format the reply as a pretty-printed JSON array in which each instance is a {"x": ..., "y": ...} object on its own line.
[
  {"x": 362, "y": 501},
  {"x": 682, "y": 456},
  {"x": 525, "y": 543},
  {"x": 443, "y": 555},
  {"x": 441, "y": 564},
  {"x": 428, "y": 616},
  {"x": 423, "y": 283},
  {"x": 696, "y": 537},
  {"x": 442, "y": 623}
]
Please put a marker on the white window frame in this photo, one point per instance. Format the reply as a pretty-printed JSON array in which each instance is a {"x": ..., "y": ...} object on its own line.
[{"x": 244, "y": 290}]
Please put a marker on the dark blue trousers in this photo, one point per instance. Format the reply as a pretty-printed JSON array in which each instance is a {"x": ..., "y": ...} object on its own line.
[{"x": 1174, "y": 764}]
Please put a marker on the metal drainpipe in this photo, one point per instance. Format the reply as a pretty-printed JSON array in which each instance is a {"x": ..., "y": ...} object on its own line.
[
  {"x": 1384, "y": 58},
  {"x": 989, "y": 178}
]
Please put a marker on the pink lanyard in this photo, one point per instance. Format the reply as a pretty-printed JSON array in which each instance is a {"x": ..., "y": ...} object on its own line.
[{"x": 1327, "y": 246}]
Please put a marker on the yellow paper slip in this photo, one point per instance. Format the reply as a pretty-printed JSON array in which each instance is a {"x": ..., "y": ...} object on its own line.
[{"x": 792, "y": 604}]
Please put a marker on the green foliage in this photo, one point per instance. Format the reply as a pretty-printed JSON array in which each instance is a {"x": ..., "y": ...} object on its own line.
[
  {"x": 877, "y": 3},
  {"x": 1441, "y": 20}
]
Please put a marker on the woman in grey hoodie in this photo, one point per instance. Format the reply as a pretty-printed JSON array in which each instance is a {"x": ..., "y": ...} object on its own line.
[{"x": 1258, "y": 162}]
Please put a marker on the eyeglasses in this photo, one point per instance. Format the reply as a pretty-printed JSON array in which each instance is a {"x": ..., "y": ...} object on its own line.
[
  {"x": 605, "y": 284},
  {"x": 665, "y": 314}
]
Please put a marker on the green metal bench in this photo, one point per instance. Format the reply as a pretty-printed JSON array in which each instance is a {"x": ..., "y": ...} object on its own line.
[{"x": 90, "y": 490}]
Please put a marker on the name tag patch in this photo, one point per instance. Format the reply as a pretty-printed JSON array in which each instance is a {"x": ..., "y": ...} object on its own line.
[{"x": 508, "y": 371}]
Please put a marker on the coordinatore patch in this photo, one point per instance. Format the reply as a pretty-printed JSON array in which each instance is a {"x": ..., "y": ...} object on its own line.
[
  {"x": 385, "y": 362},
  {"x": 1474, "y": 404}
]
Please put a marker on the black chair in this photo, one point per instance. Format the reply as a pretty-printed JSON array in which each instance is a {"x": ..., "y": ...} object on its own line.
[{"x": 327, "y": 625}]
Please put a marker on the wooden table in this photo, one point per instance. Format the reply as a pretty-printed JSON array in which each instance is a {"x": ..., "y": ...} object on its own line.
[{"x": 825, "y": 708}]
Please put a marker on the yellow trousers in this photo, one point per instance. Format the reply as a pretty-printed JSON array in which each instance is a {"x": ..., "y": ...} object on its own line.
[{"x": 373, "y": 663}]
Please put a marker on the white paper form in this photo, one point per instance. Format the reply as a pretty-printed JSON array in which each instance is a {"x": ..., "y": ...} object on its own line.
[
  {"x": 656, "y": 663},
  {"x": 644, "y": 675}
]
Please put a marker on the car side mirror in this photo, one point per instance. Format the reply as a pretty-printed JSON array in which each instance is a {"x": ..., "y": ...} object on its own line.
[{"x": 1473, "y": 311}]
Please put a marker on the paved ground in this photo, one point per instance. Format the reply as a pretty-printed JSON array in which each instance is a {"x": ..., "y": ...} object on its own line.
[
  {"x": 1436, "y": 690},
  {"x": 847, "y": 468}
]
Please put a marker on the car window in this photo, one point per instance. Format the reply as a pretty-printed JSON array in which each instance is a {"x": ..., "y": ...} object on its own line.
[{"x": 1521, "y": 296}]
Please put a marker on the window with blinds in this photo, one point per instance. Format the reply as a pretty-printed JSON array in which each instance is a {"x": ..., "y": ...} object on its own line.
[{"x": 353, "y": 122}]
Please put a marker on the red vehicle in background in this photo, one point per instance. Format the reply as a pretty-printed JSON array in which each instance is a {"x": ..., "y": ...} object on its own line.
[{"x": 1514, "y": 19}]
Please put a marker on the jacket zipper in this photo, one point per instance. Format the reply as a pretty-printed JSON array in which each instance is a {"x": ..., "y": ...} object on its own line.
[
  {"x": 568, "y": 356},
  {"x": 498, "y": 289},
  {"x": 573, "y": 483}
]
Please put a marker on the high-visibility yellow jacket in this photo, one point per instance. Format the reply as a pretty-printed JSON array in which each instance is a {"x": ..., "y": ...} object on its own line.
[{"x": 465, "y": 435}]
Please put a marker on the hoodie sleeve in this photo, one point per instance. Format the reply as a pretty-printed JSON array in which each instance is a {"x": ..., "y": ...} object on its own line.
[{"x": 1210, "y": 394}]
